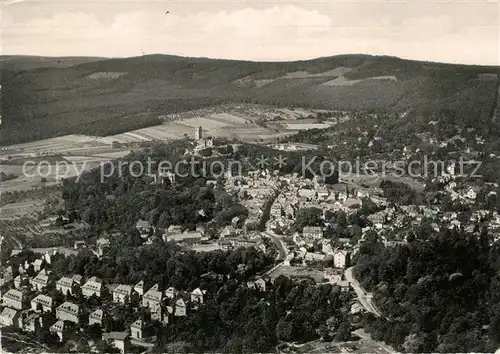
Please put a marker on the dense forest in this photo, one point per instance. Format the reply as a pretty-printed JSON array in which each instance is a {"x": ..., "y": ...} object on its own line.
[
  {"x": 124, "y": 197},
  {"x": 39, "y": 103},
  {"x": 440, "y": 293}
]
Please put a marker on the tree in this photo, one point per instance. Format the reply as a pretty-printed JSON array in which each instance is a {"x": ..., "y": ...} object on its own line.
[
  {"x": 344, "y": 332},
  {"x": 95, "y": 332},
  {"x": 308, "y": 217},
  {"x": 284, "y": 330}
]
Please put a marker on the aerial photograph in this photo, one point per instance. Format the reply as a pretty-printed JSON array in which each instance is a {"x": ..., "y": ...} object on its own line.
[{"x": 249, "y": 176}]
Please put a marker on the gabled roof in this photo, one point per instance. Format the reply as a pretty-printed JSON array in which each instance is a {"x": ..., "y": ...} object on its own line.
[
  {"x": 41, "y": 277},
  {"x": 153, "y": 294},
  {"x": 69, "y": 307},
  {"x": 115, "y": 335},
  {"x": 139, "y": 284},
  {"x": 197, "y": 291},
  {"x": 77, "y": 277},
  {"x": 123, "y": 289},
  {"x": 93, "y": 284},
  {"x": 138, "y": 324},
  {"x": 97, "y": 314},
  {"x": 14, "y": 294},
  {"x": 43, "y": 299},
  {"x": 65, "y": 281},
  {"x": 180, "y": 303},
  {"x": 58, "y": 326},
  {"x": 170, "y": 290}
]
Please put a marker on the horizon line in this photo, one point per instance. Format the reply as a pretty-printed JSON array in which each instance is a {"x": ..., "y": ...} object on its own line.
[{"x": 253, "y": 60}]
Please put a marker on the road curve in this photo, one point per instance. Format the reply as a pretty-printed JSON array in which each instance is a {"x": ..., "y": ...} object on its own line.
[{"x": 279, "y": 244}]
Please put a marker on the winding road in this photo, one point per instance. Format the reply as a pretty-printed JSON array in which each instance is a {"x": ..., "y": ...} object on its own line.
[{"x": 280, "y": 245}]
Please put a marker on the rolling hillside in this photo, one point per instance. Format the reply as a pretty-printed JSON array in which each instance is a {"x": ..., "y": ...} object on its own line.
[{"x": 110, "y": 96}]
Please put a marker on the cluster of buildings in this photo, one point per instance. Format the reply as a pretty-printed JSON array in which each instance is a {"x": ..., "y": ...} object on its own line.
[{"x": 27, "y": 297}]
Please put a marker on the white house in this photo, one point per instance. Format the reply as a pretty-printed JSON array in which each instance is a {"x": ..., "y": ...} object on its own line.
[
  {"x": 58, "y": 328},
  {"x": 92, "y": 287},
  {"x": 8, "y": 317},
  {"x": 68, "y": 312},
  {"x": 197, "y": 295},
  {"x": 122, "y": 293},
  {"x": 44, "y": 301},
  {"x": 341, "y": 258},
  {"x": 152, "y": 298}
]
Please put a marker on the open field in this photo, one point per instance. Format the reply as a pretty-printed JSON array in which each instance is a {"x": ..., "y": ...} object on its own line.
[
  {"x": 19, "y": 209},
  {"x": 69, "y": 155},
  {"x": 342, "y": 81},
  {"x": 230, "y": 121}
]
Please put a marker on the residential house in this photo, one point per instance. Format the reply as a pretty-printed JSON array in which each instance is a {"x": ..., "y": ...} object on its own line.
[
  {"x": 228, "y": 231},
  {"x": 79, "y": 244},
  {"x": 19, "y": 281},
  {"x": 197, "y": 296},
  {"x": 332, "y": 276},
  {"x": 139, "y": 288},
  {"x": 289, "y": 212},
  {"x": 65, "y": 285},
  {"x": 472, "y": 193},
  {"x": 42, "y": 303},
  {"x": 122, "y": 293},
  {"x": 96, "y": 317},
  {"x": 8, "y": 274},
  {"x": 59, "y": 329},
  {"x": 175, "y": 229},
  {"x": 15, "y": 299},
  {"x": 120, "y": 340},
  {"x": 377, "y": 219},
  {"x": 315, "y": 257},
  {"x": 8, "y": 317},
  {"x": 68, "y": 312},
  {"x": 92, "y": 287},
  {"x": 160, "y": 316},
  {"x": 143, "y": 227},
  {"x": 341, "y": 258},
  {"x": 170, "y": 292},
  {"x": 394, "y": 243},
  {"x": 103, "y": 244},
  {"x": 326, "y": 247},
  {"x": 180, "y": 308},
  {"x": 357, "y": 308},
  {"x": 187, "y": 237},
  {"x": 313, "y": 232},
  {"x": 344, "y": 285},
  {"x": 38, "y": 264},
  {"x": 259, "y": 284},
  {"x": 307, "y": 194},
  {"x": 323, "y": 193},
  {"x": 78, "y": 280},
  {"x": 275, "y": 211},
  {"x": 152, "y": 298},
  {"x": 137, "y": 329},
  {"x": 40, "y": 281}
]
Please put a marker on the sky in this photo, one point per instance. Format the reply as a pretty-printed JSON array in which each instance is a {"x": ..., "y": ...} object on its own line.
[{"x": 446, "y": 31}]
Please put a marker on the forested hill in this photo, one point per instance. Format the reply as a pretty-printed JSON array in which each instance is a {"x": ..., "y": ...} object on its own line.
[
  {"x": 440, "y": 292},
  {"x": 108, "y": 96}
]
